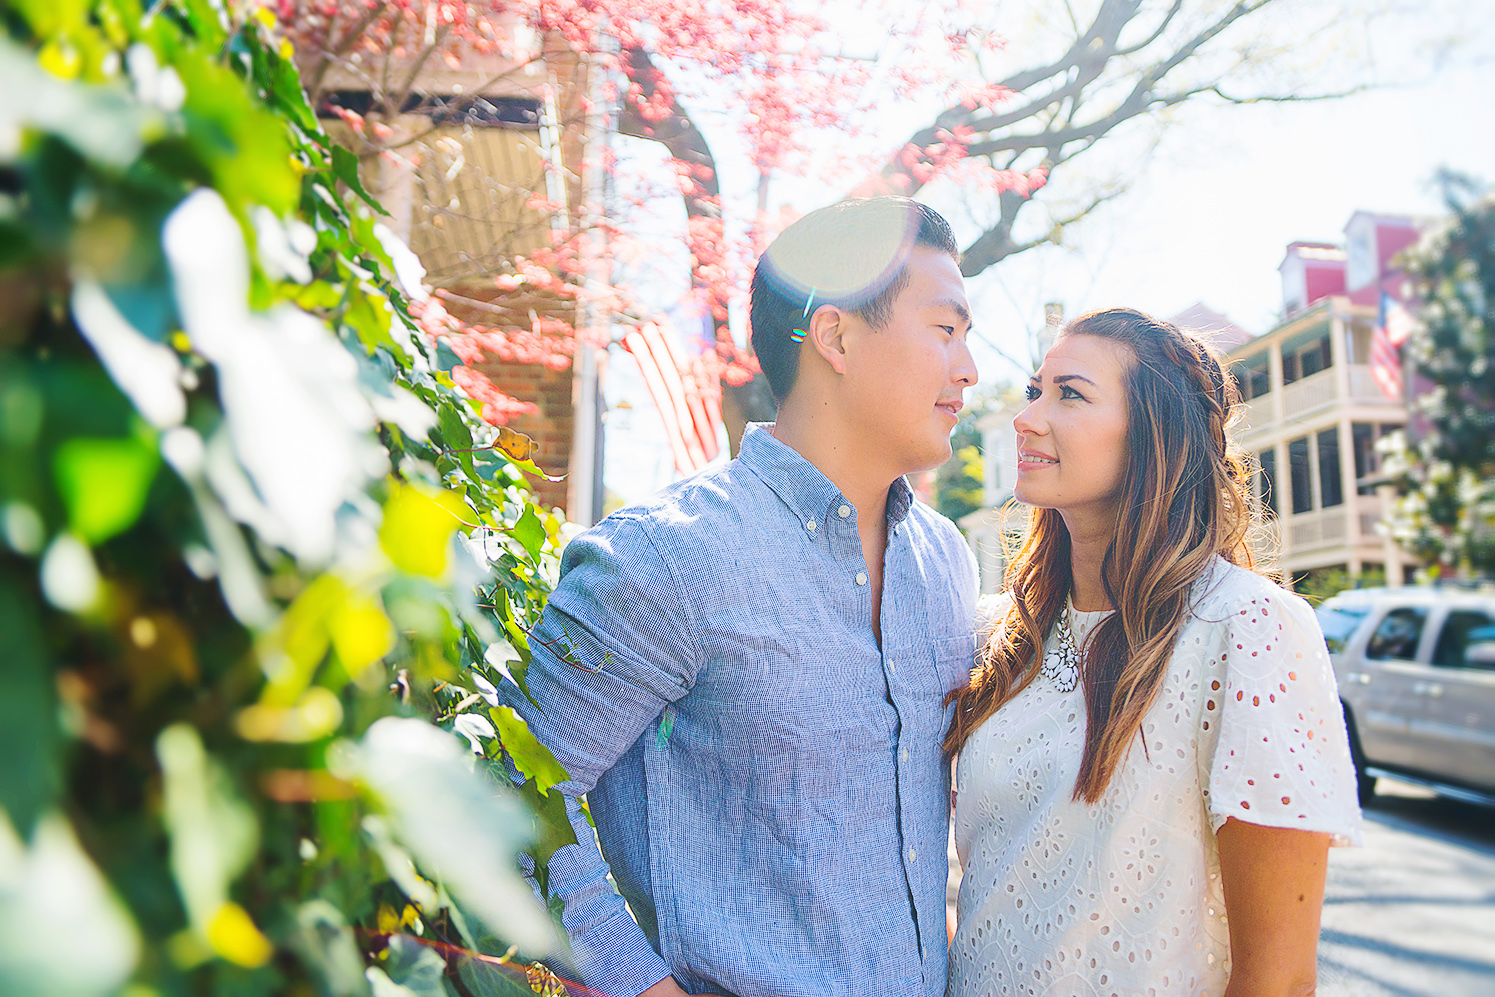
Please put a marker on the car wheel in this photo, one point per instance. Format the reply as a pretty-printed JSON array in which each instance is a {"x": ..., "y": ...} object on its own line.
[{"x": 1365, "y": 783}]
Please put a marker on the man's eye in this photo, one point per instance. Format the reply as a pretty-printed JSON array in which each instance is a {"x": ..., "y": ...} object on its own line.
[{"x": 1031, "y": 393}]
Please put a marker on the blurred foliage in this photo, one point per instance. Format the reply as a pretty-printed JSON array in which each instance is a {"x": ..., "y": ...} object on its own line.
[
  {"x": 264, "y": 569},
  {"x": 960, "y": 483},
  {"x": 1445, "y": 474},
  {"x": 1325, "y": 583}
]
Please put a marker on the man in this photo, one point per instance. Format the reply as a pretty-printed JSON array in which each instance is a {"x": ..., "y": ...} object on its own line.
[{"x": 746, "y": 674}]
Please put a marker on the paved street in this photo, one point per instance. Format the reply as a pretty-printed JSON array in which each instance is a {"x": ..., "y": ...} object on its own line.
[{"x": 1413, "y": 912}]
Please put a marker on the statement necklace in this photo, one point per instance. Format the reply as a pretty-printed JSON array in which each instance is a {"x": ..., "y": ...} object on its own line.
[{"x": 1061, "y": 665}]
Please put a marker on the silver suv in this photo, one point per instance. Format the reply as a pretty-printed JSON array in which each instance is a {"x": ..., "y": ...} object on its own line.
[{"x": 1416, "y": 672}]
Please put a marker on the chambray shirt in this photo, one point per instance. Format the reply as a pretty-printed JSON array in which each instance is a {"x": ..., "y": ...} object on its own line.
[{"x": 767, "y": 784}]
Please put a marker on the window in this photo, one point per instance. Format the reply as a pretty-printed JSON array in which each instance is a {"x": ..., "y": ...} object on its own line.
[
  {"x": 1291, "y": 370},
  {"x": 1267, "y": 481},
  {"x": 1305, "y": 361},
  {"x": 1397, "y": 635},
  {"x": 1466, "y": 630},
  {"x": 1253, "y": 377},
  {"x": 1331, "y": 486},
  {"x": 1315, "y": 358},
  {"x": 1364, "y": 436},
  {"x": 1367, "y": 461},
  {"x": 1298, "y": 471},
  {"x": 1339, "y": 621}
]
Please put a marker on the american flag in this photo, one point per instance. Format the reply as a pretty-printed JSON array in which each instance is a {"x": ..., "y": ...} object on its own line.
[
  {"x": 684, "y": 389},
  {"x": 1393, "y": 327}
]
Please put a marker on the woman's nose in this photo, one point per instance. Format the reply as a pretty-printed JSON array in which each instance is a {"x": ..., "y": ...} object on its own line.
[{"x": 1029, "y": 422}]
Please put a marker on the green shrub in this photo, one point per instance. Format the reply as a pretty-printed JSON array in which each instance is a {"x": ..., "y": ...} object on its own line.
[{"x": 262, "y": 561}]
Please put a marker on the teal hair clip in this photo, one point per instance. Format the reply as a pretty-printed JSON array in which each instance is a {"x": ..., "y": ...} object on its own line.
[{"x": 798, "y": 334}]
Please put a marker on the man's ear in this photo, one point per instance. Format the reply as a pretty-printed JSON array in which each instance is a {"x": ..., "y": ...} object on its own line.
[{"x": 826, "y": 335}]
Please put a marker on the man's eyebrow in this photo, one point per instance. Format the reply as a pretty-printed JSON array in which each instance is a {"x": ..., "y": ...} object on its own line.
[{"x": 957, "y": 306}]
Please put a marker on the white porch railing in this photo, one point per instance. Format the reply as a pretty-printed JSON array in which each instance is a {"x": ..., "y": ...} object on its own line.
[{"x": 1314, "y": 391}]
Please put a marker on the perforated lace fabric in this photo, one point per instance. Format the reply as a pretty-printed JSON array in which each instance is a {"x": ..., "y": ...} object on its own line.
[{"x": 1123, "y": 897}]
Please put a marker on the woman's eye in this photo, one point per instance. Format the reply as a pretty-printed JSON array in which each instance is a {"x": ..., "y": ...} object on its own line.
[
  {"x": 1031, "y": 393},
  {"x": 1065, "y": 391}
]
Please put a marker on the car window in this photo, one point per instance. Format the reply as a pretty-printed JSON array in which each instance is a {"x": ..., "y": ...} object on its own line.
[
  {"x": 1339, "y": 620},
  {"x": 1397, "y": 635},
  {"x": 1467, "y": 640}
]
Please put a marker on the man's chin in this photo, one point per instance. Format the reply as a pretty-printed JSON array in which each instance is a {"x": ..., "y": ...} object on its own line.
[{"x": 927, "y": 459}]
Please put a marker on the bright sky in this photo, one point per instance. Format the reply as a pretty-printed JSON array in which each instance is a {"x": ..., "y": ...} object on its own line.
[{"x": 1211, "y": 212}]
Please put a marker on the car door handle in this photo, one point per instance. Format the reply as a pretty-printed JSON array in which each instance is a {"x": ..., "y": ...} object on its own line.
[{"x": 1428, "y": 689}]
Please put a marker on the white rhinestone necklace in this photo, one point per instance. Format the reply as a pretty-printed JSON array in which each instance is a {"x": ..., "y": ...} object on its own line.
[
  {"x": 1061, "y": 665},
  {"x": 1061, "y": 662}
]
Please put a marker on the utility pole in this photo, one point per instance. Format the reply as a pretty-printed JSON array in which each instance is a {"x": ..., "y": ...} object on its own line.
[{"x": 583, "y": 490}]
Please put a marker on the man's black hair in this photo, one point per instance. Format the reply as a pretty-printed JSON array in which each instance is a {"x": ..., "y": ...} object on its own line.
[{"x": 853, "y": 255}]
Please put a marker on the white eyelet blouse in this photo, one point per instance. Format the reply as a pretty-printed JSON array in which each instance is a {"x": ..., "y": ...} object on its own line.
[{"x": 1123, "y": 897}]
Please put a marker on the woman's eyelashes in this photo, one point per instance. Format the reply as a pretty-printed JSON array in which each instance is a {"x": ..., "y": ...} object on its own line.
[{"x": 1033, "y": 392}]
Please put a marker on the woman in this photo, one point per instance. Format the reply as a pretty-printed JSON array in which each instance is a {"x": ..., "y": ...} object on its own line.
[{"x": 1152, "y": 761}]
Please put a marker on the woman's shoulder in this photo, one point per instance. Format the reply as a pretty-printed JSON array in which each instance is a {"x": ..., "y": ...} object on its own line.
[{"x": 1226, "y": 590}]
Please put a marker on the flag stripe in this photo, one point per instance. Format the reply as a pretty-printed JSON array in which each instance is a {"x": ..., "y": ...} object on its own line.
[
  {"x": 663, "y": 399},
  {"x": 1385, "y": 353},
  {"x": 669, "y": 367}
]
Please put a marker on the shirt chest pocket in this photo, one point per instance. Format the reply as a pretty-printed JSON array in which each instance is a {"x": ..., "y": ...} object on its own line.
[{"x": 954, "y": 657}]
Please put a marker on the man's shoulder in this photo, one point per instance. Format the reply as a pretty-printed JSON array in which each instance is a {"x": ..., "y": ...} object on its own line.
[
  {"x": 686, "y": 511},
  {"x": 933, "y": 529}
]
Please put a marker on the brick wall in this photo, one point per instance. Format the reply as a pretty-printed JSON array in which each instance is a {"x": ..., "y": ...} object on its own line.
[{"x": 551, "y": 428}]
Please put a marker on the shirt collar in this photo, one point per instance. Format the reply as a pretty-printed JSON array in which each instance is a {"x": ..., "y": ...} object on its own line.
[{"x": 799, "y": 484}]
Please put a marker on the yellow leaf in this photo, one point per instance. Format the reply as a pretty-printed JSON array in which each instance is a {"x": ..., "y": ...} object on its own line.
[
  {"x": 61, "y": 59},
  {"x": 318, "y": 713},
  {"x": 361, "y": 633},
  {"x": 389, "y": 921},
  {"x": 516, "y": 444},
  {"x": 303, "y": 637},
  {"x": 418, "y": 525},
  {"x": 233, "y": 936}
]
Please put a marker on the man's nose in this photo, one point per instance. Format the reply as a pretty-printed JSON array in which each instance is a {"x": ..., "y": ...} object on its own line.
[{"x": 964, "y": 370}]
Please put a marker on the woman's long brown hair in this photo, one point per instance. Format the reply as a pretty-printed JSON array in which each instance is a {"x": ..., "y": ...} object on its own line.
[{"x": 1184, "y": 499}]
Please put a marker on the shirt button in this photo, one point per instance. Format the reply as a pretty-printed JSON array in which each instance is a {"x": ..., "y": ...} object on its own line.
[
  {"x": 892, "y": 667},
  {"x": 861, "y": 578},
  {"x": 844, "y": 511},
  {"x": 810, "y": 526},
  {"x": 905, "y": 754},
  {"x": 912, "y": 854}
]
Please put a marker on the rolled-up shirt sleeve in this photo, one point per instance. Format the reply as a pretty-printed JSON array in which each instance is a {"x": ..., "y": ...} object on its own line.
[{"x": 612, "y": 650}]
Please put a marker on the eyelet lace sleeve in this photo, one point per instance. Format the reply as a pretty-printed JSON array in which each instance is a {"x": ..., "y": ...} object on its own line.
[{"x": 1280, "y": 753}]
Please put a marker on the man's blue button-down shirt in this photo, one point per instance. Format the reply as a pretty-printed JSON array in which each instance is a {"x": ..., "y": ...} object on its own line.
[{"x": 766, "y": 782}]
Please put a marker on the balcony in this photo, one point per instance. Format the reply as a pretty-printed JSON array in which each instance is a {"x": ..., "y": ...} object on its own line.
[
  {"x": 1344, "y": 525},
  {"x": 1296, "y": 403}
]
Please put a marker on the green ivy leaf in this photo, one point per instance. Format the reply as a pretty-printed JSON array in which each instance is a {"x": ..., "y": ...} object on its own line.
[
  {"x": 28, "y": 770},
  {"x": 345, "y": 168},
  {"x": 552, "y": 823},
  {"x": 530, "y": 532},
  {"x": 531, "y": 757},
  {"x": 104, "y": 484},
  {"x": 410, "y": 970}
]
